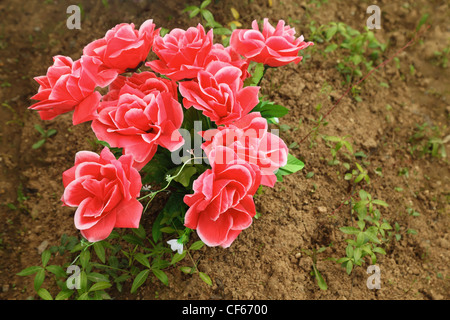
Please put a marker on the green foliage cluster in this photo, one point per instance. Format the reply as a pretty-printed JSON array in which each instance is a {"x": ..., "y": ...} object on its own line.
[
  {"x": 427, "y": 140},
  {"x": 366, "y": 236},
  {"x": 361, "y": 49}
]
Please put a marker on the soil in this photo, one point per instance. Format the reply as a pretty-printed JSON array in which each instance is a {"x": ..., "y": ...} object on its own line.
[{"x": 268, "y": 260}]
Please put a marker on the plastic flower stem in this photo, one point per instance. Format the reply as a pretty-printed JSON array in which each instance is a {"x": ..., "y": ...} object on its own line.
[
  {"x": 84, "y": 249},
  {"x": 190, "y": 257},
  {"x": 169, "y": 180}
]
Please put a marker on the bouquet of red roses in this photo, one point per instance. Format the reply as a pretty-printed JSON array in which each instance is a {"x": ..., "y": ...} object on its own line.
[{"x": 193, "y": 122}]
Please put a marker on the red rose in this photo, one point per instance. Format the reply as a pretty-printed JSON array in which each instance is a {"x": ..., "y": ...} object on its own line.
[
  {"x": 123, "y": 47},
  {"x": 138, "y": 123},
  {"x": 251, "y": 141},
  {"x": 70, "y": 86},
  {"x": 274, "y": 47},
  {"x": 219, "y": 93},
  {"x": 182, "y": 53},
  {"x": 222, "y": 204},
  {"x": 104, "y": 190},
  {"x": 144, "y": 82},
  {"x": 228, "y": 54}
]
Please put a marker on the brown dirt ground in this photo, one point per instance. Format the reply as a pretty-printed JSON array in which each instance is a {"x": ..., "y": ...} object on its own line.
[{"x": 266, "y": 261}]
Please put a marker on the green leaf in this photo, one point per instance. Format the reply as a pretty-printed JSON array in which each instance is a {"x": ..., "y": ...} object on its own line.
[
  {"x": 100, "y": 251},
  {"x": 380, "y": 202},
  {"x": 349, "y": 267},
  {"x": 161, "y": 275},
  {"x": 331, "y": 32},
  {"x": 97, "y": 277},
  {"x": 268, "y": 109},
  {"x": 38, "y": 144},
  {"x": 363, "y": 194},
  {"x": 178, "y": 257},
  {"x": 77, "y": 247},
  {"x": 360, "y": 239},
  {"x": 51, "y": 132},
  {"x": 348, "y": 176},
  {"x": 175, "y": 207},
  {"x": 83, "y": 281},
  {"x": 84, "y": 296},
  {"x": 309, "y": 175},
  {"x": 422, "y": 21},
  {"x": 331, "y": 48},
  {"x": 168, "y": 230},
  {"x": 156, "y": 228},
  {"x": 205, "y": 278},
  {"x": 205, "y": 4},
  {"x": 39, "y": 129},
  {"x": 44, "y": 294},
  {"x": 359, "y": 178},
  {"x": 372, "y": 235},
  {"x": 29, "y": 271},
  {"x": 357, "y": 254},
  {"x": 58, "y": 271},
  {"x": 385, "y": 226},
  {"x": 186, "y": 270},
  {"x": 189, "y": 8},
  {"x": 349, "y": 251},
  {"x": 349, "y": 230},
  {"x": 320, "y": 281},
  {"x": 379, "y": 250},
  {"x": 142, "y": 259},
  {"x": 133, "y": 239},
  {"x": 342, "y": 260},
  {"x": 39, "y": 279},
  {"x": 258, "y": 74},
  {"x": 195, "y": 11},
  {"x": 122, "y": 278},
  {"x": 185, "y": 176},
  {"x": 222, "y": 31},
  {"x": 63, "y": 295},
  {"x": 102, "y": 285},
  {"x": 361, "y": 224},
  {"x": 293, "y": 165},
  {"x": 411, "y": 231},
  {"x": 208, "y": 17},
  {"x": 139, "y": 280},
  {"x": 140, "y": 231},
  {"x": 196, "y": 245},
  {"x": 85, "y": 256}
]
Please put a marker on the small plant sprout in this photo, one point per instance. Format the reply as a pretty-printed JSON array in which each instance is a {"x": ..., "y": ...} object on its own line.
[
  {"x": 315, "y": 272},
  {"x": 339, "y": 143},
  {"x": 44, "y": 136},
  {"x": 366, "y": 236},
  {"x": 427, "y": 140}
]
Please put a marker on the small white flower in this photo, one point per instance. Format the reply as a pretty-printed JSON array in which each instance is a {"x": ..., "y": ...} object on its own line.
[{"x": 175, "y": 245}]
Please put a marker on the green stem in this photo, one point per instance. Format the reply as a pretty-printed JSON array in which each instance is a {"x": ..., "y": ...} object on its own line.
[
  {"x": 193, "y": 262},
  {"x": 169, "y": 180},
  {"x": 84, "y": 249}
]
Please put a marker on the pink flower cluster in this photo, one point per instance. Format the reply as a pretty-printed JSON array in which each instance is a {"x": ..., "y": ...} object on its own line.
[{"x": 142, "y": 111}]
